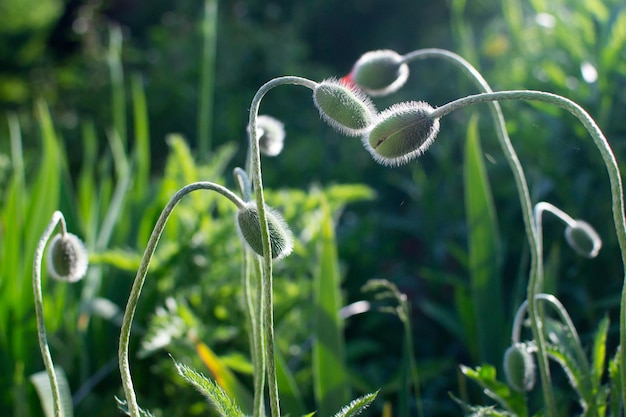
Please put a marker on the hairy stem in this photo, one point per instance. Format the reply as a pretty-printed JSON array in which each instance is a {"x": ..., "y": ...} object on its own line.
[
  {"x": 613, "y": 171},
  {"x": 57, "y": 217},
  {"x": 140, "y": 278},
  {"x": 536, "y": 265},
  {"x": 255, "y": 171}
]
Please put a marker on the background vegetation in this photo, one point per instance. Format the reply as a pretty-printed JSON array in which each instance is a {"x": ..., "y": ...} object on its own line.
[{"x": 101, "y": 103}]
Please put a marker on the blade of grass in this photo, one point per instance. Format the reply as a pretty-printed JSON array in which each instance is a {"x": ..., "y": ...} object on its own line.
[
  {"x": 118, "y": 96},
  {"x": 290, "y": 396},
  {"x": 142, "y": 138},
  {"x": 329, "y": 368},
  {"x": 483, "y": 247},
  {"x": 207, "y": 77}
]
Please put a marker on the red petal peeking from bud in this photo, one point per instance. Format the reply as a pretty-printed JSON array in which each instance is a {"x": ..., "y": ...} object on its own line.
[{"x": 348, "y": 80}]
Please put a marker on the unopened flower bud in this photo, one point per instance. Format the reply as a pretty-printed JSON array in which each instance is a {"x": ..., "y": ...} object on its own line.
[
  {"x": 519, "y": 368},
  {"x": 379, "y": 72},
  {"x": 249, "y": 229},
  {"x": 270, "y": 134},
  {"x": 67, "y": 258},
  {"x": 343, "y": 106},
  {"x": 583, "y": 239},
  {"x": 401, "y": 133}
]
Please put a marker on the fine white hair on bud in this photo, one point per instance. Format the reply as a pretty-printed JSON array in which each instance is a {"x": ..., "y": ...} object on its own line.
[
  {"x": 380, "y": 72},
  {"x": 519, "y": 368},
  {"x": 249, "y": 229},
  {"x": 583, "y": 239},
  {"x": 401, "y": 133},
  {"x": 67, "y": 258},
  {"x": 270, "y": 134},
  {"x": 344, "y": 106}
]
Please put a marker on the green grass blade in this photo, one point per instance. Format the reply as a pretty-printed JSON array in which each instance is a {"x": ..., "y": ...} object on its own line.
[
  {"x": 142, "y": 137},
  {"x": 598, "y": 354},
  {"x": 207, "y": 77},
  {"x": 118, "y": 94},
  {"x": 329, "y": 368},
  {"x": 290, "y": 396},
  {"x": 41, "y": 381},
  {"x": 483, "y": 246}
]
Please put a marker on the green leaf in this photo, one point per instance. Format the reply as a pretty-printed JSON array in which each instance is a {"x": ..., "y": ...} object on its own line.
[
  {"x": 484, "y": 252},
  {"x": 290, "y": 396},
  {"x": 615, "y": 383},
  {"x": 329, "y": 368},
  {"x": 123, "y": 406},
  {"x": 41, "y": 381},
  {"x": 356, "y": 406},
  {"x": 142, "y": 136},
  {"x": 218, "y": 397},
  {"x": 485, "y": 376},
  {"x": 598, "y": 355}
]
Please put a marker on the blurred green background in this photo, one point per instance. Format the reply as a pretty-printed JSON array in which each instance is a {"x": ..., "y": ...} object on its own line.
[{"x": 104, "y": 156}]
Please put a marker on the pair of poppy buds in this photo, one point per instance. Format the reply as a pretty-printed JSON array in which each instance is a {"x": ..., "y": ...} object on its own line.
[{"x": 393, "y": 137}]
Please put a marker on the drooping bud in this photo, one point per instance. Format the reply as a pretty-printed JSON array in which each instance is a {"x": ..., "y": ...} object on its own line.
[
  {"x": 344, "y": 107},
  {"x": 270, "y": 134},
  {"x": 249, "y": 229},
  {"x": 401, "y": 133},
  {"x": 519, "y": 368},
  {"x": 583, "y": 239},
  {"x": 380, "y": 72},
  {"x": 67, "y": 258}
]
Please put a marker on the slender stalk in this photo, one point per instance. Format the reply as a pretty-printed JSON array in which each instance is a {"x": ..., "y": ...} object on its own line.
[
  {"x": 255, "y": 171},
  {"x": 565, "y": 318},
  {"x": 131, "y": 305},
  {"x": 57, "y": 218},
  {"x": 259, "y": 336},
  {"x": 613, "y": 171},
  {"x": 586, "y": 389},
  {"x": 536, "y": 265}
]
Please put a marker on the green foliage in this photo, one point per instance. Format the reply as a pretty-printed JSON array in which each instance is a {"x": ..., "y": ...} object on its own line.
[
  {"x": 97, "y": 153},
  {"x": 483, "y": 252},
  {"x": 220, "y": 400}
]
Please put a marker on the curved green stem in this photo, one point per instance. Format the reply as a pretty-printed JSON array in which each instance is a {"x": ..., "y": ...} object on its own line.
[
  {"x": 565, "y": 318},
  {"x": 131, "y": 305},
  {"x": 57, "y": 217},
  {"x": 255, "y": 171},
  {"x": 536, "y": 264},
  {"x": 608, "y": 157},
  {"x": 585, "y": 388}
]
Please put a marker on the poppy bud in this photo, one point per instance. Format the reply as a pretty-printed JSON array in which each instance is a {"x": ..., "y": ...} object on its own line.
[
  {"x": 380, "y": 72},
  {"x": 401, "y": 133},
  {"x": 583, "y": 239},
  {"x": 343, "y": 106},
  {"x": 271, "y": 135},
  {"x": 519, "y": 368},
  {"x": 67, "y": 258},
  {"x": 249, "y": 229}
]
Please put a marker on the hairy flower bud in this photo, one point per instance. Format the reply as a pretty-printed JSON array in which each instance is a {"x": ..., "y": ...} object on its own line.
[
  {"x": 519, "y": 368},
  {"x": 67, "y": 258},
  {"x": 343, "y": 106},
  {"x": 401, "y": 133},
  {"x": 583, "y": 239},
  {"x": 380, "y": 72},
  {"x": 270, "y": 134},
  {"x": 249, "y": 229}
]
